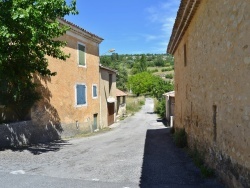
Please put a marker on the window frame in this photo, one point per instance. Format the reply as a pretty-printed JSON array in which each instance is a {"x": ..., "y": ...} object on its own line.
[
  {"x": 94, "y": 97},
  {"x": 86, "y": 97},
  {"x": 78, "y": 55}
]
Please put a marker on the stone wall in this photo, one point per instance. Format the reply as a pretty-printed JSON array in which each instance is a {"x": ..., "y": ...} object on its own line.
[
  {"x": 212, "y": 87},
  {"x": 25, "y": 133}
]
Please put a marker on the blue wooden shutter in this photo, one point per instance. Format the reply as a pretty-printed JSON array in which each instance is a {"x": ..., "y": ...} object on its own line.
[{"x": 81, "y": 94}]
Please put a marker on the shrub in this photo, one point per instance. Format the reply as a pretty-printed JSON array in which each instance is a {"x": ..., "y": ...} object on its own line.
[
  {"x": 180, "y": 138},
  {"x": 169, "y": 76},
  {"x": 160, "y": 108}
]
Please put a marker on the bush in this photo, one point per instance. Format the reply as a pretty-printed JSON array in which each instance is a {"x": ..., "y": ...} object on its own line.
[
  {"x": 154, "y": 70},
  {"x": 169, "y": 76},
  {"x": 180, "y": 138},
  {"x": 160, "y": 108}
]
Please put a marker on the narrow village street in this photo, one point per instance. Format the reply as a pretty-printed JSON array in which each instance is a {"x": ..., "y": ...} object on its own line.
[{"x": 137, "y": 152}]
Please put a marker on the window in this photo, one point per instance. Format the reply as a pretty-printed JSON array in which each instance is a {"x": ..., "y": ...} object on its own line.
[
  {"x": 81, "y": 98},
  {"x": 94, "y": 91},
  {"x": 81, "y": 55},
  {"x": 110, "y": 82},
  {"x": 185, "y": 55}
]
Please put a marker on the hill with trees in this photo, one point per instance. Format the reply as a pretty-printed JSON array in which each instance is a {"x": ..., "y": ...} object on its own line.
[{"x": 142, "y": 73}]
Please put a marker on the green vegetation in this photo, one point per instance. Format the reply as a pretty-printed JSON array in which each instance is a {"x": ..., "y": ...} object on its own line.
[
  {"x": 167, "y": 69},
  {"x": 169, "y": 76},
  {"x": 198, "y": 159},
  {"x": 129, "y": 65},
  {"x": 153, "y": 70},
  {"x": 28, "y": 32},
  {"x": 160, "y": 108},
  {"x": 180, "y": 138},
  {"x": 134, "y": 104},
  {"x": 147, "y": 83}
]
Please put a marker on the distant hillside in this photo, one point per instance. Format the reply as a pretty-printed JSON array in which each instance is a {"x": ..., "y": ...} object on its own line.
[{"x": 161, "y": 65}]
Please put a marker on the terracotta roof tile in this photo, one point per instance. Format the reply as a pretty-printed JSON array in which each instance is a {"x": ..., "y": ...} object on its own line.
[{"x": 120, "y": 93}]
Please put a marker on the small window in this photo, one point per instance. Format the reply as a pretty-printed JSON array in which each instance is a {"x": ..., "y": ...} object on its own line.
[
  {"x": 110, "y": 82},
  {"x": 185, "y": 55},
  {"x": 94, "y": 91},
  {"x": 81, "y": 98},
  {"x": 81, "y": 55}
]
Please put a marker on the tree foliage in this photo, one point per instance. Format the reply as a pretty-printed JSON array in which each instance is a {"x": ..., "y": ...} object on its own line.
[
  {"x": 28, "y": 34},
  {"x": 147, "y": 83},
  {"x": 122, "y": 79},
  {"x": 140, "y": 65}
]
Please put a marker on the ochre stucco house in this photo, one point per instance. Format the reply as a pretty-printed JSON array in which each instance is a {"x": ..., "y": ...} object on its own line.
[
  {"x": 107, "y": 96},
  {"x": 210, "y": 42},
  {"x": 71, "y": 99}
]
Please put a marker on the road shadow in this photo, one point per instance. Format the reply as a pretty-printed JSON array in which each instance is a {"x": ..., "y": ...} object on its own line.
[
  {"x": 38, "y": 149},
  {"x": 163, "y": 121},
  {"x": 165, "y": 165}
]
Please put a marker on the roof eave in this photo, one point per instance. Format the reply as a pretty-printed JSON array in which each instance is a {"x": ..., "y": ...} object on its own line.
[
  {"x": 184, "y": 16},
  {"x": 79, "y": 30}
]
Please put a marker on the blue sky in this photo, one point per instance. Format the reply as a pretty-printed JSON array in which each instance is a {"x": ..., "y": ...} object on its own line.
[{"x": 128, "y": 26}]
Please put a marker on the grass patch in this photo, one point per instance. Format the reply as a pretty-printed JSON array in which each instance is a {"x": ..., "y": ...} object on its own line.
[
  {"x": 88, "y": 134},
  {"x": 180, "y": 139},
  {"x": 134, "y": 104},
  {"x": 169, "y": 76},
  {"x": 198, "y": 159}
]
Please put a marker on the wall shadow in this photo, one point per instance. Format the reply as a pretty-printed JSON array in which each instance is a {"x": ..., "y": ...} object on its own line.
[
  {"x": 44, "y": 115},
  {"x": 44, "y": 127},
  {"x": 164, "y": 165}
]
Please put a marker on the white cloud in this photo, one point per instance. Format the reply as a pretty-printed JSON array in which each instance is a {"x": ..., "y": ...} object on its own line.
[
  {"x": 168, "y": 25},
  {"x": 162, "y": 17}
]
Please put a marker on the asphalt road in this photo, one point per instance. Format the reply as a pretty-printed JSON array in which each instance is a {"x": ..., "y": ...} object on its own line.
[{"x": 137, "y": 152}]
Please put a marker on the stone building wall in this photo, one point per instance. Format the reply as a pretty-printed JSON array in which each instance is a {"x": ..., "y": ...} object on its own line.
[{"x": 212, "y": 87}]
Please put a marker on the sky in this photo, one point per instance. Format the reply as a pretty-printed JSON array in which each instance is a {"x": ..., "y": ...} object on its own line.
[{"x": 128, "y": 26}]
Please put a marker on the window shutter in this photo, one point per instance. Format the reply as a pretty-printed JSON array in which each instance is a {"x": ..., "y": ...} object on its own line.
[
  {"x": 81, "y": 94},
  {"x": 94, "y": 91},
  {"x": 81, "y": 51}
]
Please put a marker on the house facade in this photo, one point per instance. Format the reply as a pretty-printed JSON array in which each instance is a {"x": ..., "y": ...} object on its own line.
[
  {"x": 107, "y": 96},
  {"x": 71, "y": 98},
  {"x": 210, "y": 42}
]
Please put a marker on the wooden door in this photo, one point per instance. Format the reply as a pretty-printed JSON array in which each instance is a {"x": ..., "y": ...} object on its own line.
[{"x": 111, "y": 113}]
